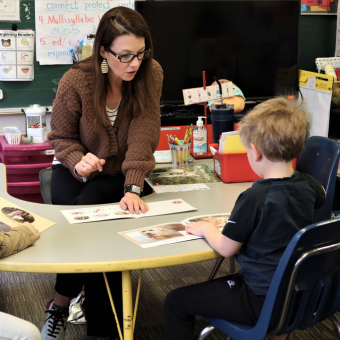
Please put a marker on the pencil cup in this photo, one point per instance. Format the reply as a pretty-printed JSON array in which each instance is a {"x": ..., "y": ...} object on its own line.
[{"x": 180, "y": 154}]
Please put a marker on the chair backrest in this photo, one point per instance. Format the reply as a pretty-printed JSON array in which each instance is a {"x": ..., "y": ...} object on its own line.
[
  {"x": 320, "y": 158},
  {"x": 45, "y": 184},
  {"x": 306, "y": 286}
]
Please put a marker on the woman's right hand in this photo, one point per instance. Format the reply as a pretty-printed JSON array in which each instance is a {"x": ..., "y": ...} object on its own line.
[{"x": 89, "y": 163}]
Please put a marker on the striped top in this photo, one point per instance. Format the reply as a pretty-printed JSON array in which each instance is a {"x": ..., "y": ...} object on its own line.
[{"x": 112, "y": 114}]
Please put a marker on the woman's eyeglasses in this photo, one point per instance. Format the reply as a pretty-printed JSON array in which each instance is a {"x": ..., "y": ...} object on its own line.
[{"x": 127, "y": 58}]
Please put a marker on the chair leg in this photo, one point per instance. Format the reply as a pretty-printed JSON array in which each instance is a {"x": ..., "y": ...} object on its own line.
[
  {"x": 336, "y": 322},
  {"x": 232, "y": 264},
  {"x": 205, "y": 332},
  {"x": 216, "y": 267}
]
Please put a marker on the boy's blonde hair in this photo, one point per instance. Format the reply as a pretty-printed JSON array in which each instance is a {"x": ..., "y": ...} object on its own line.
[{"x": 277, "y": 127}]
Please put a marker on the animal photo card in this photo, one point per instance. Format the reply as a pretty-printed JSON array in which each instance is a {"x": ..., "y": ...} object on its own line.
[
  {"x": 172, "y": 232},
  {"x": 113, "y": 211},
  {"x": 12, "y": 215}
]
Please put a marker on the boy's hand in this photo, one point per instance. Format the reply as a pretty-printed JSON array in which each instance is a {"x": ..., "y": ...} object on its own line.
[
  {"x": 198, "y": 228},
  {"x": 31, "y": 227}
]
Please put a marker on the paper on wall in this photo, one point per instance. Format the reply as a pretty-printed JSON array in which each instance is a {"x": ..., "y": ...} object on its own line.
[
  {"x": 17, "y": 55},
  {"x": 60, "y": 25}
]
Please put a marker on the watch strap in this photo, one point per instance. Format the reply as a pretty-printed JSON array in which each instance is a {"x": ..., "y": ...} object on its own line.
[{"x": 135, "y": 189}]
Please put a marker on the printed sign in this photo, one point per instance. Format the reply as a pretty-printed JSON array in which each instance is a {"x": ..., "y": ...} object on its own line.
[{"x": 17, "y": 55}]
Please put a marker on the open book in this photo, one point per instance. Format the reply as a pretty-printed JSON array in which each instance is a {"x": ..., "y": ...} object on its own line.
[{"x": 172, "y": 232}]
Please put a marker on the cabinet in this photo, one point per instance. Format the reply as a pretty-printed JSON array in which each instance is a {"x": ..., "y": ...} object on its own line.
[{"x": 23, "y": 163}]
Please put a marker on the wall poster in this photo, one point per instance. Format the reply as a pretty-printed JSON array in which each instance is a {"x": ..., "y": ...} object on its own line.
[
  {"x": 61, "y": 25},
  {"x": 17, "y": 55},
  {"x": 9, "y": 10}
]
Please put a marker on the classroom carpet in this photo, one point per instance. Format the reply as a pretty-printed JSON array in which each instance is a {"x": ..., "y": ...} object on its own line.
[{"x": 25, "y": 295}]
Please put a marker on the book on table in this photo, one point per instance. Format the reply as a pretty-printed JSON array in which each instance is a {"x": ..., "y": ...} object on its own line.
[{"x": 171, "y": 232}]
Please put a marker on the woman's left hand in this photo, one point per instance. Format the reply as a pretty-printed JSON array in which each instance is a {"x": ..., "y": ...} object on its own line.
[{"x": 133, "y": 203}]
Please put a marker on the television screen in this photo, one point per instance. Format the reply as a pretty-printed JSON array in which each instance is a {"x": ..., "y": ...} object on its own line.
[{"x": 253, "y": 43}]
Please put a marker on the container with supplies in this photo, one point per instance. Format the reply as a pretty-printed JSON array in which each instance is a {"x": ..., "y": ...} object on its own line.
[
  {"x": 180, "y": 149},
  {"x": 12, "y": 134},
  {"x": 180, "y": 154},
  {"x": 36, "y": 123},
  {"x": 231, "y": 163}
]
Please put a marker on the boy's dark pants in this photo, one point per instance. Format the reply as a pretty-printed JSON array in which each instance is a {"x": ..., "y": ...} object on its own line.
[{"x": 217, "y": 298}]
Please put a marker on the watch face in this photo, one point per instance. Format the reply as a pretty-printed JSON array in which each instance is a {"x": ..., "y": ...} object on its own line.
[{"x": 135, "y": 189}]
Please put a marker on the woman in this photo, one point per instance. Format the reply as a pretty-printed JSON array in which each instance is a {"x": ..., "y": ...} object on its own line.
[{"x": 105, "y": 127}]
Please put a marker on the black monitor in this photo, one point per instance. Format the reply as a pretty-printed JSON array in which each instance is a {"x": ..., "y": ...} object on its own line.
[{"x": 253, "y": 43}]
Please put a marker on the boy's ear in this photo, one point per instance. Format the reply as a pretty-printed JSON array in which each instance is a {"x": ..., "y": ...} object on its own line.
[{"x": 257, "y": 152}]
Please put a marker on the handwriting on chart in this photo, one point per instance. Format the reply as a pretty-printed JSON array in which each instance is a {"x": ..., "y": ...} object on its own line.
[
  {"x": 27, "y": 11},
  {"x": 61, "y": 24}
]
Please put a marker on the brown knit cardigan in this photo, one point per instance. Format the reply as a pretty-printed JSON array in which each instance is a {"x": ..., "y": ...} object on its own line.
[{"x": 127, "y": 147}]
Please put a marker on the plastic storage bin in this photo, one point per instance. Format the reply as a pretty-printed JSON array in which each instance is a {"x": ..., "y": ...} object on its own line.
[
  {"x": 12, "y": 134},
  {"x": 23, "y": 164},
  {"x": 233, "y": 168}
]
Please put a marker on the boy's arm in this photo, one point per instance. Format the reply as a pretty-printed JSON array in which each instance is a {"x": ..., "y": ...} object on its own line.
[
  {"x": 16, "y": 240},
  {"x": 222, "y": 244}
]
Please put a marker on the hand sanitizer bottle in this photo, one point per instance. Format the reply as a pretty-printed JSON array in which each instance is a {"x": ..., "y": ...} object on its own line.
[{"x": 200, "y": 137}]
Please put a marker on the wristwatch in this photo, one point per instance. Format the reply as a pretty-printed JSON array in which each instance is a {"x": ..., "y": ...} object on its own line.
[{"x": 135, "y": 189}]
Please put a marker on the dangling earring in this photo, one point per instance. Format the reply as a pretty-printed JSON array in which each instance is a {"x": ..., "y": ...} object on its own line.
[{"x": 104, "y": 66}]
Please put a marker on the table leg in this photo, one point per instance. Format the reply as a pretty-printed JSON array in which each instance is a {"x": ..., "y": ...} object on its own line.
[
  {"x": 113, "y": 306},
  {"x": 127, "y": 305}
]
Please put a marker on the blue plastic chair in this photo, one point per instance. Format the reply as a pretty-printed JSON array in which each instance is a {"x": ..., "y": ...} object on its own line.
[
  {"x": 319, "y": 158},
  {"x": 304, "y": 291}
]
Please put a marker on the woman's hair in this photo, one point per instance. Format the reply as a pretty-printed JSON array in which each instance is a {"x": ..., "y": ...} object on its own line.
[
  {"x": 277, "y": 127},
  {"x": 137, "y": 93}
]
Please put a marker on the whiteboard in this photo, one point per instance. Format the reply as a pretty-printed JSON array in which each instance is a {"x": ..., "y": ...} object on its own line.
[{"x": 62, "y": 24}]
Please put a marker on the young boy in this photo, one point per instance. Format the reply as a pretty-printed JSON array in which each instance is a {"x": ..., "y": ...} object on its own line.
[
  {"x": 263, "y": 221},
  {"x": 17, "y": 239}
]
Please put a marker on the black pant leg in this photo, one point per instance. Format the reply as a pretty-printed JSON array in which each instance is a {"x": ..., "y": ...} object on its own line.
[
  {"x": 69, "y": 285},
  {"x": 217, "y": 298},
  {"x": 64, "y": 187},
  {"x": 67, "y": 190},
  {"x": 98, "y": 307},
  {"x": 101, "y": 190}
]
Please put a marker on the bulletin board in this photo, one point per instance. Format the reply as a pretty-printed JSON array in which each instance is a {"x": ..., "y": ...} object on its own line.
[{"x": 312, "y": 7}]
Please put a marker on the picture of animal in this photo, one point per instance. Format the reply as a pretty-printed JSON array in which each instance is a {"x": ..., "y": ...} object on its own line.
[
  {"x": 6, "y": 43},
  {"x": 164, "y": 231},
  {"x": 220, "y": 220},
  {"x": 18, "y": 215}
]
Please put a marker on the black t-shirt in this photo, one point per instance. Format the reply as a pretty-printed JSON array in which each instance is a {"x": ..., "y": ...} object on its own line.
[{"x": 265, "y": 218}]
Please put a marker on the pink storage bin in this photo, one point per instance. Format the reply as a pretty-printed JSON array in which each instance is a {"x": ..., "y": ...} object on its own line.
[
  {"x": 35, "y": 198},
  {"x": 25, "y": 153},
  {"x": 25, "y": 172},
  {"x": 23, "y": 188}
]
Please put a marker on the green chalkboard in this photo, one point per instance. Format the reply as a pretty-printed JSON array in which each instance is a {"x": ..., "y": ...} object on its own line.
[{"x": 42, "y": 89}]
